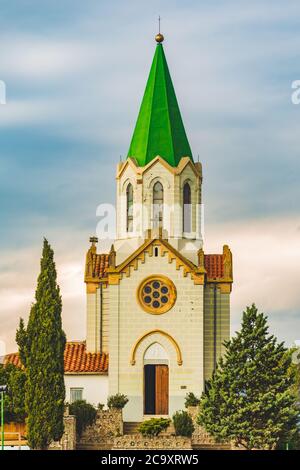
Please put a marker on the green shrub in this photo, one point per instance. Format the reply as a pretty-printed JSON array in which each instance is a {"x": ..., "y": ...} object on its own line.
[
  {"x": 153, "y": 426},
  {"x": 85, "y": 415},
  {"x": 183, "y": 424},
  {"x": 117, "y": 401},
  {"x": 191, "y": 400}
]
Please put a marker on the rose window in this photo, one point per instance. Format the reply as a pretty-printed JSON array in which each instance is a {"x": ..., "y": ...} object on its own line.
[{"x": 157, "y": 294}]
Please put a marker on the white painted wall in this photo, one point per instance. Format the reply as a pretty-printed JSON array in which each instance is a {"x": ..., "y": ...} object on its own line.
[{"x": 95, "y": 387}]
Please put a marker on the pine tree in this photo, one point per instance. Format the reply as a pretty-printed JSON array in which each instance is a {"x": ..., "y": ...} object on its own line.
[
  {"x": 249, "y": 399},
  {"x": 41, "y": 347}
]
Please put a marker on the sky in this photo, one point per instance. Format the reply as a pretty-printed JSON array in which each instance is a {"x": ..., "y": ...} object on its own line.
[{"x": 75, "y": 73}]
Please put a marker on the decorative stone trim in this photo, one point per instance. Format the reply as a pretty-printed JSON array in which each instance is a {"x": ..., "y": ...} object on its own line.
[
  {"x": 152, "y": 332},
  {"x": 138, "y": 442},
  {"x": 139, "y": 171}
]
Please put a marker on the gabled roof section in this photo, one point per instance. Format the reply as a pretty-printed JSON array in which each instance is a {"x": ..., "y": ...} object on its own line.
[
  {"x": 214, "y": 265},
  {"x": 211, "y": 268},
  {"x": 97, "y": 265},
  {"x": 159, "y": 128},
  {"x": 185, "y": 161},
  {"x": 138, "y": 256}
]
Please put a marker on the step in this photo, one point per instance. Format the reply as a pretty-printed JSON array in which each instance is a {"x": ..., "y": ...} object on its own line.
[
  {"x": 211, "y": 447},
  {"x": 131, "y": 427},
  {"x": 93, "y": 447}
]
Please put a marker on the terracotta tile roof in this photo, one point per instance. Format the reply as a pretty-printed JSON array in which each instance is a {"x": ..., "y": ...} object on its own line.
[
  {"x": 77, "y": 360},
  {"x": 214, "y": 266},
  {"x": 13, "y": 358},
  {"x": 99, "y": 264}
]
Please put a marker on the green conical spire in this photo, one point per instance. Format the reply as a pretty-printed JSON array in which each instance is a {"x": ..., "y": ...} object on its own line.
[{"x": 159, "y": 129}]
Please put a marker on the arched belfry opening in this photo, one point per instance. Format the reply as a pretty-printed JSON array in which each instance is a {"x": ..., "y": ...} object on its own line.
[
  {"x": 187, "y": 208},
  {"x": 156, "y": 380},
  {"x": 129, "y": 208},
  {"x": 158, "y": 204}
]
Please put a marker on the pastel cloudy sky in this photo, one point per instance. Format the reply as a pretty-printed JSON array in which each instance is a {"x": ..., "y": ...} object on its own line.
[{"x": 75, "y": 73}]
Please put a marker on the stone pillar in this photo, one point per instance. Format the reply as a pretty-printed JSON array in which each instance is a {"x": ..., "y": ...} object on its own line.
[
  {"x": 199, "y": 436},
  {"x": 68, "y": 440}
]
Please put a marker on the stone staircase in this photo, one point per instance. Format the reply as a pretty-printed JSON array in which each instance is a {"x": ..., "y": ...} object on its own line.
[
  {"x": 130, "y": 427},
  {"x": 93, "y": 446}
]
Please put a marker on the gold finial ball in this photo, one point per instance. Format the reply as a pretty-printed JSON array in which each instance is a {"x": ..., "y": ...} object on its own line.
[{"x": 159, "y": 38}]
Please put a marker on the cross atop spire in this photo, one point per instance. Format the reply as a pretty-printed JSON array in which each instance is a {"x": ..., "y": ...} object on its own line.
[{"x": 159, "y": 37}]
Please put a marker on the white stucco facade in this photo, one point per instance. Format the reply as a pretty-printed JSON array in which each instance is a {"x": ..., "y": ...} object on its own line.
[{"x": 94, "y": 387}]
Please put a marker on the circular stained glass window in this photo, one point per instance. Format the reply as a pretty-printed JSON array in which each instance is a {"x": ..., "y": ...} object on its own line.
[{"x": 157, "y": 294}]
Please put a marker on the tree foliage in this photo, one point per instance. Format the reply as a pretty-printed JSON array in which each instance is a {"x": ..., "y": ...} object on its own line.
[
  {"x": 85, "y": 415},
  {"x": 117, "y": 401},
  {"x": 191, "y": 400},
  {"x": 249, "y": 399},
  {"x": 154, "y": 426},
  {"x": 15, "y": 379},
  {"x": 41, "y": 347},
  {"x": 183, "y": 424}
]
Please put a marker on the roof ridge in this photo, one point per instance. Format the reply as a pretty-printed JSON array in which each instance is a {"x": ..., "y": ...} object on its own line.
[
  {"x": 165, "y": 65},
  {"x": 150, "y": 118}
]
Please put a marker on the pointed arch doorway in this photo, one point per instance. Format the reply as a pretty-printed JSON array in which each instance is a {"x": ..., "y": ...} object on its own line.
[{"x": 156, "y": 381}]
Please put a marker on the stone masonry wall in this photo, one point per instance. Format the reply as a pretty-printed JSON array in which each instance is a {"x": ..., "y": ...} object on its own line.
[{"x": 108, "y": 425}]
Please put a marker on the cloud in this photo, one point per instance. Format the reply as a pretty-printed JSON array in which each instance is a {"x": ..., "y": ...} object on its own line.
[
  {"x": 266, "y": 258},
  {"x": 18, "y": 277},
  {"x": 75, "y": 78},
  {"x": 34, "y": 58},
  {"x": 266, "y": 272},
  {"x": 26, "y": 112}
]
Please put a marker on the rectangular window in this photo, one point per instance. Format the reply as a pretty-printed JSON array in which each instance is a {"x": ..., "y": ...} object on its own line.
[{"x": 76, "y": 394}]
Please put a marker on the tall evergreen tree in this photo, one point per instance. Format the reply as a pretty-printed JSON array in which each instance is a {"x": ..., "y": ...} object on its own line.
[
  {"x": 41, "y": 347},
  {"x": 249, "y": 399}
]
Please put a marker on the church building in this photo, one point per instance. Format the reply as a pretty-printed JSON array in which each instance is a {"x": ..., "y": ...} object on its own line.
[{"x": 158, "y": 306}]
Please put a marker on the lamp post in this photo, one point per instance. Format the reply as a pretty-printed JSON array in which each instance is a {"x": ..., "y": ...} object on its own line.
[{"x": 3, "y": 390}]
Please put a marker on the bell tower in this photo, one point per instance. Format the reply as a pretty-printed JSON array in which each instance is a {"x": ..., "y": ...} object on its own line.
[
  {"x": 157, "y": 305},
  {"x": 159, "y": 185}
]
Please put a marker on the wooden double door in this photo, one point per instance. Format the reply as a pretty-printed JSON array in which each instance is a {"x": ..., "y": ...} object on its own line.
[{"x": 156, "y": 389}]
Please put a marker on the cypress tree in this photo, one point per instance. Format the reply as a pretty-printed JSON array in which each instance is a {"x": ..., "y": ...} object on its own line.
[
  {"x": 249, "y": 399},
  {"x": 41, "y": 347}
]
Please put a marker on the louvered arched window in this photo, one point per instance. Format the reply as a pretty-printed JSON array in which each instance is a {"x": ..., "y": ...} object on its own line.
[
  {"x": 187, "y": 208},
  {"x": 158, "y": 203},
  {"x": 129, "y": 208}
]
